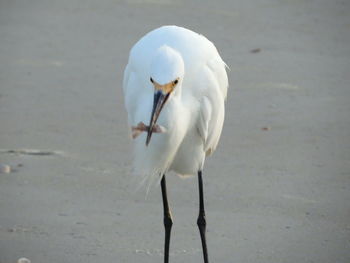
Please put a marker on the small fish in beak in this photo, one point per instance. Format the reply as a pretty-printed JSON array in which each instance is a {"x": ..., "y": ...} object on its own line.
[{"x": 141, "y": 127}]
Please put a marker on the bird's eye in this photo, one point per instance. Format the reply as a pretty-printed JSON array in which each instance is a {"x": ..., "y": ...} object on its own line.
[
  {"x": 175, "y": 81},
  {"x": 151, "y": 80}
]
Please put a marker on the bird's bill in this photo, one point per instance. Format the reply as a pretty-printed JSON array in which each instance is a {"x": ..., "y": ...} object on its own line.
[{"x": 158, "y": 102}]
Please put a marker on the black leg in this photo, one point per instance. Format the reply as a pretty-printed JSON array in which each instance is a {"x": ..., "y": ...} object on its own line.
[
  {"x": 201, "y": 222},
  {"x": 168, "y": 222}
]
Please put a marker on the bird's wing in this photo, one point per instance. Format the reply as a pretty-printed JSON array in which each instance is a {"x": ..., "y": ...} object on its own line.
[
  {"x": 135, "y": 94},
  {"x": 203, "y": 120},
  {"x": 214, "y": 85},
  {"x": 126, "y": 78},
  {"x": 218, "y": 68},
  {"x": 129, "y": 92}
]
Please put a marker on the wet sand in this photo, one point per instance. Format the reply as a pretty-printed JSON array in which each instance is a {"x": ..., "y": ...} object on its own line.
[{"x": 276, "y": 190}]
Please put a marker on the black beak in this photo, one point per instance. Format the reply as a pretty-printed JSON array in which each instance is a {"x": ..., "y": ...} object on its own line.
[{"x": 158, "y": 103}]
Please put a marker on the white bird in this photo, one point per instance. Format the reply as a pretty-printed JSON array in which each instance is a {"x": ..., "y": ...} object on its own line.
[{"x": 176, "y": 82}]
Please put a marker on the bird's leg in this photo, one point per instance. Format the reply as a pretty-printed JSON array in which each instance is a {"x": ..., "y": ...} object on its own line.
[
  {"x": 168, "y": 222},
  {"x": 201, "y": 222}
]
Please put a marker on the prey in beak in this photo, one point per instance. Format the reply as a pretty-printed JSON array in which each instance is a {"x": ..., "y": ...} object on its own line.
[
  {"x": 161, "y": 95},
  {"x": 141, "y": 127}
]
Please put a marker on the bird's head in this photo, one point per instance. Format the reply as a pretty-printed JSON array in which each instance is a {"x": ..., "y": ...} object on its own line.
[{"x": 167, "y": 72}]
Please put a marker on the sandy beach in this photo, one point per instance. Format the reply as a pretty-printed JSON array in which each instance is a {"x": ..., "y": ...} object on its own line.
[{"x": 276, "y": 190}]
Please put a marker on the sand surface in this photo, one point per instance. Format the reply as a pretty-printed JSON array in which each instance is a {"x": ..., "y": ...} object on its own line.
[{"x": 276, "y": 190}]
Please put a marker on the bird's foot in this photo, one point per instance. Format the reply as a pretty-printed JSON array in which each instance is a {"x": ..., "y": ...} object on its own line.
[{"x": 141, "y": 127}]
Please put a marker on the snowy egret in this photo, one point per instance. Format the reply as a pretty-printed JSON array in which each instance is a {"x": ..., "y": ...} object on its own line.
[{"x": 176, "y": 82}]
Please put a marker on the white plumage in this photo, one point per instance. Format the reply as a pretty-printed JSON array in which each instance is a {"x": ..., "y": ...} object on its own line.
[{"x": 192, "y": 116}]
